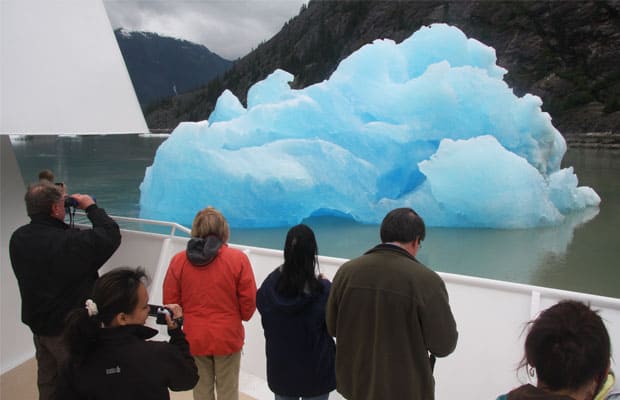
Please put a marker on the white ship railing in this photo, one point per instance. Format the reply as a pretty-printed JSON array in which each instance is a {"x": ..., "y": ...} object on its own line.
[{"x": 491, "y": 315}]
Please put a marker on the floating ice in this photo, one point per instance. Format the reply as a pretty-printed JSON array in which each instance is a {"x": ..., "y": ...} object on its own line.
[{"x": 428, "y": 123}]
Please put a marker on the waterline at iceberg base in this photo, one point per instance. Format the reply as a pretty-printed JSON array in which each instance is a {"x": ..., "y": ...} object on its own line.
[{"x": 428, "y": 123}]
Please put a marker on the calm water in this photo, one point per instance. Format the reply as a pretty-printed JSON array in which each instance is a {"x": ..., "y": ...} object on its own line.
[{"x": 582, "y": 254}]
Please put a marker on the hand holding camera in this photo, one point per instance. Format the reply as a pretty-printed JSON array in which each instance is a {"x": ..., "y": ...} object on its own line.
[{"x": 170, "y": 314}]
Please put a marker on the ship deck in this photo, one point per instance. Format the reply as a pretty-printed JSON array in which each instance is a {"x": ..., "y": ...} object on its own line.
[{"x": 491, "y": 316}]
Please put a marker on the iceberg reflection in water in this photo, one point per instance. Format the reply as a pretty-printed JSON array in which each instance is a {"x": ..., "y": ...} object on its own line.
[{"x": 533, "y": 256}]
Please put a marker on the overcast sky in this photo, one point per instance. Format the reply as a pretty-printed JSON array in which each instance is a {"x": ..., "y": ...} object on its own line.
[{"x": 230, "y": 28}]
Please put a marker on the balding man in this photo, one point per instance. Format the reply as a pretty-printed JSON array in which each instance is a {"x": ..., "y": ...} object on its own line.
[{"x": 56, "y": 267}]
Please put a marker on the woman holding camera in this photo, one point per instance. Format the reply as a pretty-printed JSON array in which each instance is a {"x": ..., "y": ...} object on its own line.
[{"x": 110, "y": 357}]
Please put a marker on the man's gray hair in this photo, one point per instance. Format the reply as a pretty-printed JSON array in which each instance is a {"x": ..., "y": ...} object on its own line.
[{"x": 41, "y": 196}]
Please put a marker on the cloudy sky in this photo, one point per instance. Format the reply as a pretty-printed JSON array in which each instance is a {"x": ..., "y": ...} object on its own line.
[{"x": 230, "y": 28}]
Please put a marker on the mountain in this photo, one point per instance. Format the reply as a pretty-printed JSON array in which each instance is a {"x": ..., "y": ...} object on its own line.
[
  {"x": 161, "y": 67},
  {"x": 566, "y": 52}
]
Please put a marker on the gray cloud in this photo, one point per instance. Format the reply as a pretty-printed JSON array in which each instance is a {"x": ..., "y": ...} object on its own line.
[{"x": 230, "y": 28}]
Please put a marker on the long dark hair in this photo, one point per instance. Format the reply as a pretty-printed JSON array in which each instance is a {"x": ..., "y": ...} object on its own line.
[
  {"x": 568, "y": 345},
  {"x": 114, "y": 292},
  {"x": 300, "y": 262}
]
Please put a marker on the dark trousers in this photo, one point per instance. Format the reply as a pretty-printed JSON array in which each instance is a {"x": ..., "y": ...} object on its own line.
[{"x": 51, "y": 353}]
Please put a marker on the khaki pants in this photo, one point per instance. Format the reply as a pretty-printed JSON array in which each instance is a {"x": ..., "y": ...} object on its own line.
[
  {"x": 218, "y": 374},
  {"x": 51, "y": 354}
]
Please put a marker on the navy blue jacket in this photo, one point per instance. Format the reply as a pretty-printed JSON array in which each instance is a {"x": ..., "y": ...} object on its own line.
[{"x": 300, "y": 352}]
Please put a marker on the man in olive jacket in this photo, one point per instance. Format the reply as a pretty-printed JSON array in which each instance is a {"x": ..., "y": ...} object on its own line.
[
  {"x": 56, "y": 267},
  {"x": 391, "y": 317}
]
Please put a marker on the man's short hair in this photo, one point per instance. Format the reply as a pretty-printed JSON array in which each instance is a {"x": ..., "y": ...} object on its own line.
[
  {"x": 41, "y": 196},
  {"x": 402, "y": 225},
  {"x": 46, "y": 175}
]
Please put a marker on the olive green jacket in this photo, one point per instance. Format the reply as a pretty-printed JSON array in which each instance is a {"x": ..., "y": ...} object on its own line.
[{"x": 388, "y": 312}]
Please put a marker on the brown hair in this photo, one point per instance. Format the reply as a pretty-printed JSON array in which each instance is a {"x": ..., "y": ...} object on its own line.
[
  {"x": 568, "y": 345},
  {"x": 210, "y": 222},
  {"x": 46, "y": 175}
]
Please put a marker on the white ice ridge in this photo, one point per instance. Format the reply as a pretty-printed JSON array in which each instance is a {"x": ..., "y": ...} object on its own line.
[{"x": 428, "y": 123}]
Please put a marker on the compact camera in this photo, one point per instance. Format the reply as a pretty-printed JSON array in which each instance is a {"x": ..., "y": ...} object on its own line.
[{"x": 159, "y": 312}]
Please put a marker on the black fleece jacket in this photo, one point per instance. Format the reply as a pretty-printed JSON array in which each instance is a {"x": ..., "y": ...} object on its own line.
[
  {"x": 56, "y": 266},
  {"x": 125, "y": 366}
]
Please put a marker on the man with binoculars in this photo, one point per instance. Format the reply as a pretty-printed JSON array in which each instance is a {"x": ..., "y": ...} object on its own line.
[{"x": 56, "y": 266}]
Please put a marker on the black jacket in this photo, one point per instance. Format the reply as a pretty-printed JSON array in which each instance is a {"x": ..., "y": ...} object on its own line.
[
  {"x": 125, "y": 366},
  {"x": 56, "y": 266},
  {"x": 300, "y": 352}
]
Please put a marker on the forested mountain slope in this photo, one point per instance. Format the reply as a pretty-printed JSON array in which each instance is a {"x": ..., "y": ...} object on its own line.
[{"x": 566, "y": 52}]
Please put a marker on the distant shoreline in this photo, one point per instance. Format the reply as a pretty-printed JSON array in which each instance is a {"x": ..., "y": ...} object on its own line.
[
  {"x": 590, "y": 140},
  {"x": 593, "y": 140}
]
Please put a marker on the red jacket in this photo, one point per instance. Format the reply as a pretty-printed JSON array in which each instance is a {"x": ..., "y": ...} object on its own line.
[{"x": 215, "y": 298}]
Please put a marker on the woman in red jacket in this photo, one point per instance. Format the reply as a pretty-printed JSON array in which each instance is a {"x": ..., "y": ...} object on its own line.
[{"x": 214, "y": 284}]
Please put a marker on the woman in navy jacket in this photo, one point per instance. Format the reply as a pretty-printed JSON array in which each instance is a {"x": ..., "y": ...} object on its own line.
[{"x": 291, "y": 301}]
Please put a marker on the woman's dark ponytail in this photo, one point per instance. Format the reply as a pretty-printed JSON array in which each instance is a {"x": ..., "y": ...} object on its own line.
[
  {"x": 115, "y": 292},
  {"x": 81, "y": 332}
]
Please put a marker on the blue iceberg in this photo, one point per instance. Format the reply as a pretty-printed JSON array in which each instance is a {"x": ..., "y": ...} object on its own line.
[{"x": 428, "y": 123}]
